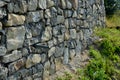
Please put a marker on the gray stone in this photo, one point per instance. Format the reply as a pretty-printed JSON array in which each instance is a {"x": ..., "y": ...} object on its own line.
[
  {"x": 24, "y": 72},
  {"x": 15, "y": 37},
  {"x": 55, "y": 41},
  {"x": 68, "y": 13},
  {"x": 78, "y": 49},
  {"x": 2, "y": 13},
  {"x": 51, "y": 51},
  {"x": 2, "y": 3},
  {"x": 37, "y": 76},
  {"x": 42, "y": 4},
  {"x": 74, "y": 14},
  {"x": 28, "y": 78},
  {"x": 3, "y": 73},
  {"x": 34, "y": 16},
  {"x": 2, "y": 51},
  {"x": 59, "y": 51},
  {"x": 50, "y": 3},
  {"x": 43, "y": 57},
  {"x": 15, "y": 55},
  {"x": 72, "y": 44},
  {"x": 69, "y": 5},
  {"x": 73, "y": 34},
  {"x": 24, "y": 52},
  {"x": 47, "y": 66},
  {"x": 66, "y": 56},
  {"x": 18, "y": 6},
  {"x": 63, "y": 4},
  {"x": 52, "y": 68},
  {"x": 47, "y": 13},
  {"x": 61, "y": 38},
  {"x": 33, "y": 59},
  {"x": 34, "y": 29},
  {"x": 72, "y": 54},
  {"x": 50, "y": 43},
  {"x": 66, "y": 23},
  {"x": 13, "y": 77},
  {"x": 47, "y": 35},
  {"x": 32, "y": 5},
  {"x": 39, "y": 68},
  {"x": 46, "y": 70},
  {"x": 14, "y": 20},
  {"x": 60, "y": 19}
]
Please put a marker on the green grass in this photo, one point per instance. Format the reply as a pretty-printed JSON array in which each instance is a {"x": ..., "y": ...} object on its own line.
[{"x": 113, "y": 20}]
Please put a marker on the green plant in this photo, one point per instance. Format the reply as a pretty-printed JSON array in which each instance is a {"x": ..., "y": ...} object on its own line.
[
  {"x": 107, "y": 48},
  {"x": 110, "y": 6},
  {"x": 95, "y": 53}
]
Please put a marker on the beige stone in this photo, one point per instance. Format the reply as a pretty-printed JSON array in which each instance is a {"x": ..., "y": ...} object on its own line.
[
  {"x": 14, "y": 20},
  {"x": 32, "y": 60},
  {"x": 0, "y": 26}
]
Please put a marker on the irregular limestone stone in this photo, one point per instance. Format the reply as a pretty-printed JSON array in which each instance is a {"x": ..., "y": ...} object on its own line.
[
  {"x": 67, "y": 35},
  {"x": 7, "y": 0},
  {"x": 24, "y": 52},
  {"x": 47, "y": 13},
  {"x": 17, "y": 6},
  {"x": 66, "y": 56},
  {"x": 32, "y": 5},
  {"x": 68, "y": 13},
  {"x": 0, "y": 26},
  {"x": 69, "y": 4},
  {"x": 14, "y": 20},
  {"x": 3, "y": 50},
  {"x": 63, "y": 4},
  {"x": 78, "y": 49},
  {"x": 15, "y": 37},
  {"x": 72, "y": 53},
  {"x": 32, "y": 60},
  {"x": 43, "y": 57},
  {"x": 34, "y": 16},
  {"x": 37, "y": 76},
  {"x": 73, "y": 34},
  {"x": 60, "y": 38},
  {"x": 50, "y": 43},
  {"x": 42, "y": 4},
  {"x": 46, "y": 70},
  {"x": 15, "y": 66},
  {"x": 59, "y": 51},
  {"x": 50, "y": 3},
  {"x": 60, "y": 19},
  {"x": 28, "y": 78},
  {"x": 75, "y": 4},
  {"x": 15, "y": 55},
  {"x": 52, "y": 68},
  {"x": 47, "y": 35},
  {"x": 74, "y": 14},
  {"x": 51, "y": 51},
  {"x": 2, "y": 13},
  {"x": 2, "y": 3},
  {"x": 3, "y": 73}
]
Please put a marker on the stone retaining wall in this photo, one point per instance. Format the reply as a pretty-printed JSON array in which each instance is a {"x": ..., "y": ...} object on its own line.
[{"x": 36, "y": 35}]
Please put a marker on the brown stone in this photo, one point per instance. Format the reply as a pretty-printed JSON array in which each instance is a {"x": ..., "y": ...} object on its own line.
[{"x": 75, "y": 4}]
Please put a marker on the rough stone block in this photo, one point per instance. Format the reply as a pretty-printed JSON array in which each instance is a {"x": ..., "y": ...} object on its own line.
[{"x": 15, "y": 37}]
